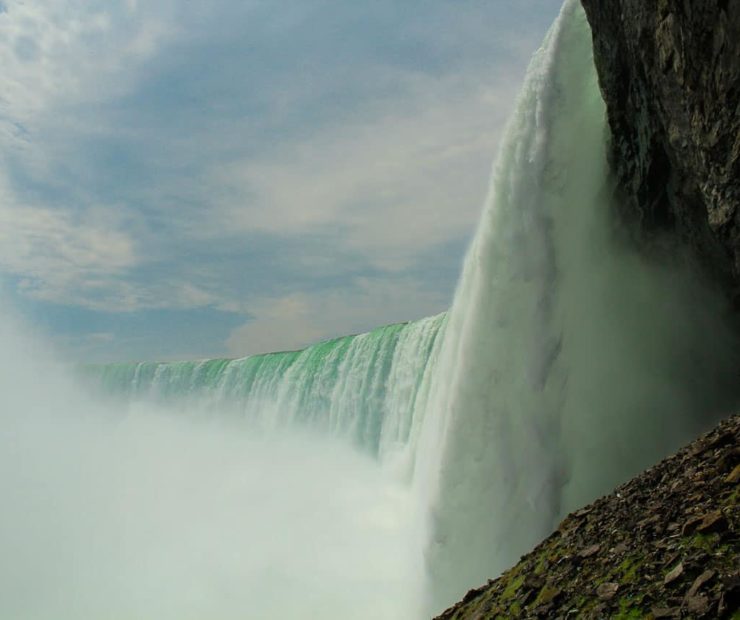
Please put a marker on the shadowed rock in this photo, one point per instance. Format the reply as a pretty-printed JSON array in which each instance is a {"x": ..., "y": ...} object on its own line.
[{"x": 669, "y": 71}]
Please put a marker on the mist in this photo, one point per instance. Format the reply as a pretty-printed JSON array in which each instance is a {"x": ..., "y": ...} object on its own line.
[{"x": 114, "y": 511}]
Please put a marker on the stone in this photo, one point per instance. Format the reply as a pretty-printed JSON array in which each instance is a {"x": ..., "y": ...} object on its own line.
[
  {"x": 589, "y": 551},
  {"x": 689, "y": 527},
  {"x": 620, "y": 548},
  {"x": 534, "y": 582},
  {"x": 606, "y": 591},
  {"x": 699, "y": 582},
  {"x": 671, "y": 576},
  {"x": 697, "y": 604},
  {"x": 733, "y": 476},
  {"x": 548, "y": 594},
  {"x": 712, "y": 522}
]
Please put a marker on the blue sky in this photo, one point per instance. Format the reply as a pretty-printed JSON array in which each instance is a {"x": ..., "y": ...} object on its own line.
[{"x": 183, "y": 179}]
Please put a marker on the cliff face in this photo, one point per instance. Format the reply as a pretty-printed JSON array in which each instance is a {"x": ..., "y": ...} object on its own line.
[{"x": 670, "y": 74}]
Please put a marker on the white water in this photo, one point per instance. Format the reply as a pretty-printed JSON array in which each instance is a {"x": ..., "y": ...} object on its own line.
[
  {"x": 566, "y": 364},
  {"x": 363, "y": 388},
  {"x": 569, "y": 362}
]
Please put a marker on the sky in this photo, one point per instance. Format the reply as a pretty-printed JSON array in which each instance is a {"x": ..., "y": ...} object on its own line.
[{"x": 187, "y": 179}]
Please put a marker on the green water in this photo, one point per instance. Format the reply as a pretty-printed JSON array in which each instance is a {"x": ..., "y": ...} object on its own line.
[{"x": 363, "y": 387}]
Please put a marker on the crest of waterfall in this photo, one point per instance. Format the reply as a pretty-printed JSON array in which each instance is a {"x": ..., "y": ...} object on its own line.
[{"x": 364, "y": 387}]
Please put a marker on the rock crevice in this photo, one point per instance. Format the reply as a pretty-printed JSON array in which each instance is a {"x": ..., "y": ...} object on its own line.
[{"x": 669, "y": 71}]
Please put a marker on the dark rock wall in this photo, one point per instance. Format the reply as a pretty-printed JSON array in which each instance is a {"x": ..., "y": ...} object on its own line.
[{"x": 670, "y": 74}]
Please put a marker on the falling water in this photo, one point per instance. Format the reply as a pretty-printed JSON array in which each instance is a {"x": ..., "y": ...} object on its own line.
[
  {"x": 365, "y": 388},
  {"x": 569, "y": 362}
]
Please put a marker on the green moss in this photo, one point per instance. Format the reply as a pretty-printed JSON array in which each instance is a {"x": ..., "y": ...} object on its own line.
[
  {"x": 629, "y": 608},
  {"x": 627, "y": 570},
  {"x": 541, "y": 565},
  {"x": 584, "y": 604},
  {"x": 512, "y": 588},
  {"x": 732, "y": 498},
  {"x": 707, "y": 542},
  {"x": 546, "y": 595}
]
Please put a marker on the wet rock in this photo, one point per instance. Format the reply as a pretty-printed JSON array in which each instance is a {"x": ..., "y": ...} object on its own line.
[
  {"x": 620, "y": 548},
  {"x": 734, "y": 476},
  {"x": 697, "y": 605},
  {"x": 606, "y": 591},
  {"x": 534, "y": 582},
  {"x": 706, "y": 576},
  {"x": 674, "y": 574},
  {"x": 548, "y": 594},
  {"x": 589, "y": 551},
  {"x": 669, "y": 73},
  {"x": 689, "y": 527},
  {"x": 712, "y": 522}
]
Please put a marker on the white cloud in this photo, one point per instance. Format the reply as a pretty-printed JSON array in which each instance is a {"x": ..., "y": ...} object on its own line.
[
  {"x": 393, "y": 181},
  {"x": 57, "y": 55},
  {"x": 390, "y": 183},
  {"x": 62, "y": 52},
  {"x": 296, "y": 320},
  {"x": 83, "y": 257},
  {"x": 54, "y": 249}
]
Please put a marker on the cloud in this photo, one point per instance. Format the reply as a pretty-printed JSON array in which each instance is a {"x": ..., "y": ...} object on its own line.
[
  {"x": 390, "y": 183},
  {"x": 60, "y": 242},
  {"x": 61, "y": 52},
  {"x": 84, "y": 256},
  {"x": 53, "y": 250},
  {"x": 298, "y": 319}
]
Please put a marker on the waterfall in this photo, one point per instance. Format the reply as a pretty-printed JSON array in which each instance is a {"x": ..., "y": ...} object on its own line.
[
  {"x": 365, "y": 388},
  {"x": 568, "y": 361}
]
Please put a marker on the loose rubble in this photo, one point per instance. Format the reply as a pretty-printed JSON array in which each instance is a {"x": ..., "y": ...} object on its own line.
[{"x": 664, "y": 545}]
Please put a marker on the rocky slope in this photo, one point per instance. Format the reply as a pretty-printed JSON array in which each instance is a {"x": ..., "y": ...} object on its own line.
[
  {"x": 664, "y": 545},
  {"x": 670, "y": 74}
]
